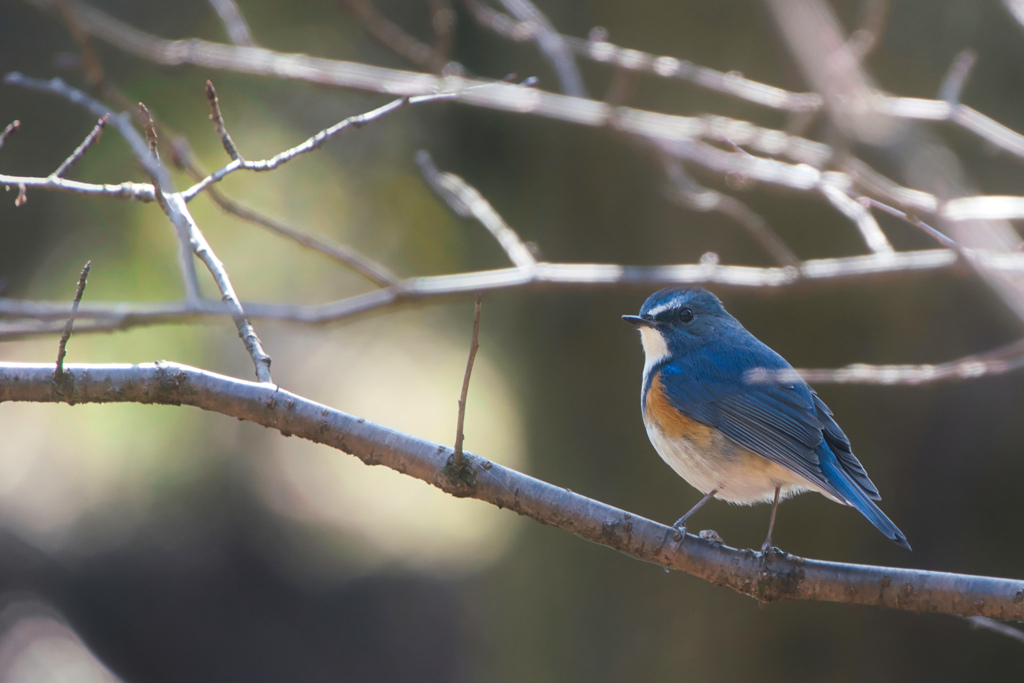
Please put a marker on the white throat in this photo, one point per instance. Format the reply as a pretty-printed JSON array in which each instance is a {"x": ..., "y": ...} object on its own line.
[{"x": 655, "y": 349}]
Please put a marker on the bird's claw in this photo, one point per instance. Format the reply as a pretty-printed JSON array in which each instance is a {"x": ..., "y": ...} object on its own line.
[{"x": 712, "y": 535}]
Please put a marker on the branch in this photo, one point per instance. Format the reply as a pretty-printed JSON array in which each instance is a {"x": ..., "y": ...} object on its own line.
[
  {"x": 598, "y": 49},
  {"x": 466, "y": 201},
  {"x": 65, "y": 336},
  {"x": 234, "y": 23},
  {"x": 238, "y": 163},
  {"x": 458, "y": 457},
  {"x": 1006, "y": 358},
  {"x": 395, "y": 38},
  {"x": 190, "y": 236},
  {"x": 997, "y": 627},
  {"x": 91, "y": 139},
  {"x": 687, "y": 192},
  {"x": 546, "y": 276},
  {"x": 774, "y": 578},
  {"x": 552, "y": 45},
  {"x": 141, "y": 151},
  {"x": 10, "y": 130},
  {"x": 368, "y": 268}
]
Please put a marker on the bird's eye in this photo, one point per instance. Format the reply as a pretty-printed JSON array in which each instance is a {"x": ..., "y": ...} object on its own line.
[{"x": 685, "y": 315}]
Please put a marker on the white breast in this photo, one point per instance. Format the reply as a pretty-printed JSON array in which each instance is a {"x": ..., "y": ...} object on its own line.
[{"x": 741, "y": 476}]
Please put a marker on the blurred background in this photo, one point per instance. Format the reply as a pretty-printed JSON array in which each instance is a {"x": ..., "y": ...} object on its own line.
[{"x": 161, "y": 544}]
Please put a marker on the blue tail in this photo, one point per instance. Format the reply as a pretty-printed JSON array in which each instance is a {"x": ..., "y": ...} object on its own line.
[{"x": 855, "y": 497}]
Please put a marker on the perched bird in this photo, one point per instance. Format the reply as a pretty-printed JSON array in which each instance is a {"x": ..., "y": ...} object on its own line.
[{"x": 732, "y": 439}]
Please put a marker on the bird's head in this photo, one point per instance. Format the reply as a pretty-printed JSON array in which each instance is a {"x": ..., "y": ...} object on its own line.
[{"x": 679, "y": 319}]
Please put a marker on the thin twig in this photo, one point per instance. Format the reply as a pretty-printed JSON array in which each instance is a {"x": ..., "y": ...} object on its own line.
[
  {"x": 955, "y": 80},
  {"x": 316, "y": 141},
  {"x": 11, "y": 128},
  {"x": 368, "y": 268},
  {"x": 869, "y": 229},
  {"x": 66, "y": 335},
  {"x": 458, "y": 458},
  {"x": 91, "y": 139},
  {"x": 142, "y": 192},
  {"x": 999, "y": 627},
  {"x": 552, "y": 45},
  {"x": 1003, "y": 359},
  {"x": 686, "y": 191},
  {"x": 234, "y": 23},
  {"x": 597, "y": 48},
  {"x": 467, "y": 202},
  {"x": 218, "y": 122},
  {"x": 939, "y": 237},
  {"x": 863, "y": 40},
  {"x": 442, "y": 19},
  {"x": 542, "y": 276},
  {"x": 150, "y": 128},
  {"x": 395, "y": 38}
]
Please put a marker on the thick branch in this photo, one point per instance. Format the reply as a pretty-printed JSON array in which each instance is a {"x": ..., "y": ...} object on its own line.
[{"x": 771, "y": 579}]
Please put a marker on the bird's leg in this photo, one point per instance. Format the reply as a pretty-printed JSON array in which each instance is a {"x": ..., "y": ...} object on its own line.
[
  {"x": 681, "y": 522},
  {"x": 766, "y": 546}
]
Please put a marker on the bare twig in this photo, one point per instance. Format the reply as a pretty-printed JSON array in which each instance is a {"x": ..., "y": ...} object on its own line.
[
  {"x": 458, "y": 458},
  {"x": 371, "y": 270},
  {"x": 11, "y": 128},
  {"x": 1016, "y": 8},
  {"x": 395, "y": 38},
  {"x": 598, "y": 49},
  {"x": 218, "y": 122},
  {"x": 784, "y": 577},
  {"x": 442, "y": 19},
  {"x": 1001, "y": 360},
  {"x": 543, "y": 276},
  {"x": 467, "y": 202},
  {"x": 865, "y": 38},
  {"x": 552, "y": 45},
  {"x": 538, "y": 103},
  {"x": 955, "y": 80},
  {"x": 941, "y": 238},
  {"x": 687, "y": 192},
  {"x": 142, "y": 192},
  {"x": 91, "y": 139},
  {"x": 357, "y": 121},
  {"x": 989, "y": 624},
  {"x": 140, "y": 149},
  {"x": 873, "y": 236},
  {"x": 234, "y": 23},
  {"x": 150, "y": 128},
  {"x": 66, "y": 335},
  {"x": 191, "y": 238}
]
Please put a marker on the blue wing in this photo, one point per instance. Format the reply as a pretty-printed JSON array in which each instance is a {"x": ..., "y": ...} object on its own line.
[{"x": 785, "y": 423}]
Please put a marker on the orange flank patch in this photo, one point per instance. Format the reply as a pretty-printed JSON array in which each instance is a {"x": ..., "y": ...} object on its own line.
[{"x": 671, "y": 422}]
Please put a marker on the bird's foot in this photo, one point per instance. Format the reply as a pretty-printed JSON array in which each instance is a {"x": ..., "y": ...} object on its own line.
[
  {"x": 768, "y": 553},
  {"x": 712, "y": 535}
]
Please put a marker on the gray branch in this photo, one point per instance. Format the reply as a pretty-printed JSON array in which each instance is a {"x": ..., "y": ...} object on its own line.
[{"x": 772, "y": 578}]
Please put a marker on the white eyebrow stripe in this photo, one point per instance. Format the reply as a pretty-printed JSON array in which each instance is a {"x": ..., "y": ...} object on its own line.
[{"x": 657, "y": 310}]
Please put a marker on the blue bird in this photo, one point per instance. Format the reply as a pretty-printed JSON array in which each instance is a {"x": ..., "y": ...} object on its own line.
[{"x": 731, "y": 439}]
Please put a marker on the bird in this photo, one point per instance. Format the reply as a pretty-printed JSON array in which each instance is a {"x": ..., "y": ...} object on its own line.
[{"x": 732, "y": 439}]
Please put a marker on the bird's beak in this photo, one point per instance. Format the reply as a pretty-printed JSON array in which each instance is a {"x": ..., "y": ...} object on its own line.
[{"x": 637, "y": 321}]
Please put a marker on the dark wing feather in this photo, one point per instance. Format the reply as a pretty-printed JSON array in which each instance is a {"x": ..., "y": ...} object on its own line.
[
  {"x": 774, "y": 422},
  {"x": 781, "y": 422},
  {"x": 840, "y": 445}
]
